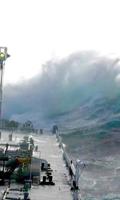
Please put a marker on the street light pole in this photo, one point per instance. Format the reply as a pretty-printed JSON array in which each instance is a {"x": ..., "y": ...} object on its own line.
[
  {"x": 3, "y": 56},
  {"x": 1, "y": 92}
]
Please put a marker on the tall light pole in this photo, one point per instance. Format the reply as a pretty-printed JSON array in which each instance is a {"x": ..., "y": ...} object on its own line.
[{"x": 3, "y": 57}]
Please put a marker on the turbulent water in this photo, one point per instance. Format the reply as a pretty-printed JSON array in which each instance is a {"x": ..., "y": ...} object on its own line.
[
  {"x": 91, "y": 131},
  {"x": 82, "y": 95},
  {"x": 94, "y": 137}
]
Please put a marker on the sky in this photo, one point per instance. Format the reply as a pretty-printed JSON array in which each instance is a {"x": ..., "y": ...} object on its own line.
[{"x": 36, "y": 31}]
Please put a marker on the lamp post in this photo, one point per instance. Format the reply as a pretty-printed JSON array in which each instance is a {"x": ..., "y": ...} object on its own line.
[{"x": 3, "y": 57}]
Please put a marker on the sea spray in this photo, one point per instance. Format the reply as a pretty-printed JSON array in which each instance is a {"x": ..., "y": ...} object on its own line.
[{"x": 64, "y": 86}]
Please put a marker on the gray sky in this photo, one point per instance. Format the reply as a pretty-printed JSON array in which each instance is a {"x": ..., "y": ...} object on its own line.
[{"x": 39, "y": 30}]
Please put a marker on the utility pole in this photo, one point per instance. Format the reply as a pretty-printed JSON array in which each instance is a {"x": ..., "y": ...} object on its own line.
[{"x": 3, "y": 57}]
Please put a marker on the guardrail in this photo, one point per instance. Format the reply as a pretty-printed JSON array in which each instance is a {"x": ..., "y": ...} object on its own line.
[
  {"x": 68, "y": 161},
  {"x": 74, "y": 170}
]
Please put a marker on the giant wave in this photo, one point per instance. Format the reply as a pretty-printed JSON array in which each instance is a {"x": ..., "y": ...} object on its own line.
[{"x": 84, "y": 86}]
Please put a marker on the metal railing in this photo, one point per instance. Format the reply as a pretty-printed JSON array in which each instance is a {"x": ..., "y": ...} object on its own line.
[{"x": 74, "y": 169}]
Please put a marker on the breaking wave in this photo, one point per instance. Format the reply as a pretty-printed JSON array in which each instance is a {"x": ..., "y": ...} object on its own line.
[{"x": 83, "y": 86}]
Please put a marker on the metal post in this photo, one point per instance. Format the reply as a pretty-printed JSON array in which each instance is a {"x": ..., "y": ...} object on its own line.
[
  {"x": 3, "y": 56},
  {"x": 40, "y": 167},
  {"x": 1, "y": 92}
]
